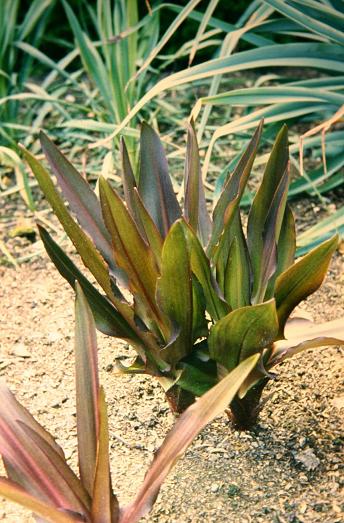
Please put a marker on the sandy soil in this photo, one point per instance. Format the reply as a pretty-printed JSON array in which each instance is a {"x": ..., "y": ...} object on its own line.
[{"x": 287, "y": 470}]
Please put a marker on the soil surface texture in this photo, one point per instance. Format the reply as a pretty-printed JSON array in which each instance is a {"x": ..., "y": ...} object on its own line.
[{"x": 287, "y": 470}]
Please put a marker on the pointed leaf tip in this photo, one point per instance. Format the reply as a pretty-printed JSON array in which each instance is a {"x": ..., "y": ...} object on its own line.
[{"x": 155, "y": 186}]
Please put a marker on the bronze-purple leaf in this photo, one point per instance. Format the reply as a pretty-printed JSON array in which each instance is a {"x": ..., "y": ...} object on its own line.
[
  {"x": 81, "y": 198},
  {"x": 155, "y": 186}
]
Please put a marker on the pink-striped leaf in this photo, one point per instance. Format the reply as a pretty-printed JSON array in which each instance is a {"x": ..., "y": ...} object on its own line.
[
  {"x": 302, "y": 335},
  {"x": 105, "y": 507},
  {"x": 87, "y": 389},
  {"x": 187, "y": 427},
  {"x": 50, "y": 514},
  {"x": 34, "y": 460}
]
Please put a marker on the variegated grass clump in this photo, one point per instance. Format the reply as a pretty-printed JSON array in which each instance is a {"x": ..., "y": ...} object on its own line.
[{"x": 205, "y": 293}]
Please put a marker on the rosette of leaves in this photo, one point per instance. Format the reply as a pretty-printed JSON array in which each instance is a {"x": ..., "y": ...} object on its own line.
[
  {"x": 38, "y": 476},
  {"x": 206, "y": 292}
]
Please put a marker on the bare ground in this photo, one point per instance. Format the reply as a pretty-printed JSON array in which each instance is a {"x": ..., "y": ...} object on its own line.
[{"x": 286, "y": 470}]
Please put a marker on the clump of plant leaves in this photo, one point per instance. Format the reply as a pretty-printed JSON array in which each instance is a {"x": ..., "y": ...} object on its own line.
[
  {"x": 205, "y": 294},
  {"x": 39, "y": 477}
]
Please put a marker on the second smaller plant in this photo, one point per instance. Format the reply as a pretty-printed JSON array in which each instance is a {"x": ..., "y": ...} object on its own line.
[{"x": 38, "y": 476}]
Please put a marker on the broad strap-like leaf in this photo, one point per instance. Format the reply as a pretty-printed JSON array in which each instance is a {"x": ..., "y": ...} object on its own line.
[
  {"x": 187, "y": 427},
  {"x": 271, "y": 233},
  {"x": 37, "y": 464},
  {"x": 199, "y": 319},
  {"x": 302, "y": 279},
  {"x": 89, "y": 254},
  {"x": 233, "y": 190},
  {"x": 118, "y": 320},
  {"x": 131, "y": 252},
  {"x": 105, "y": 507},
  {"x": 174, "y": 293},
  {"x": 199, "y": 373},
  {"x": 155, "y": 186},
  {"x": 129, "y": 183},
  {"x": 286, "y": 248},
  {"x": 270, "y": 195},
  {"x": 200, "y": 266},
  {"x": 10, "y": 408},
  {"x": 243, "y": 332},
  {"x": 237, "y": 275},
  {"x": 195, "y": 206},
  {"x": 108, "y": 320},
  {"x": 303, "y": 335},
  {"x": 50, "y": 514},
  {"x": 225, "y": 276},
  {"x": 150, "y": 230},
  {"x": 73, "y": 483},
  {"x": 81, "y": 198},
  {"x": 87, "y": 389}
]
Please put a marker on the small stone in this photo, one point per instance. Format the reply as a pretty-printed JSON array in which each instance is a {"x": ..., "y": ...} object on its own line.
[
  {"x": 338, "y": 402},
  {"x": 4, "y": 364},
  {"x": 53, "y": 337},
  {"x": 214, "y": 488},
  {"x": 20, "y": 350},
  {"x": 308, "y": 459}
]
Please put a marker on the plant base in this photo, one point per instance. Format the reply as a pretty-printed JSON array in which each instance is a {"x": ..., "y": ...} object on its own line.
[
  {"x": 179, "y": 399},
  {"x": 244, "y": 412}
]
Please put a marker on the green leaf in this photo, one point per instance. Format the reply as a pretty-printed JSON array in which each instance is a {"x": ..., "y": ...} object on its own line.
[
  {"x": 150, "y": 230},
  {"x": 130, "y": 250},
  {"x": 138, "y": 211},
  {"x": 263, "y": 234},
  {"x": 322, "y": 20},
  {"x": 202, "y": 27},
  {"x": 89, "y": 254},
  {"x": 155, "y": 186},
  {"x": 187, "y": 427},
  {"x": 321, "y": 56},
  {"x": 107, "y": 318},
  {"x": 171, "y": 29},
  {"x": 224, "y": 275},
  {"x": 174, "y": 293},
  {"x": 200, "y": 266},
  {"x": 285, "y": 249},
  {"x": 237, "y": 275},
  {"x": 199, "y": 320},
  {"x": 198, "y": 374},
  {"x": 195, "y": 207},
  {"x": 243, "y": 332},
  {"x": 93, "y": 64},
  {"x": 302, "y": 279},
  {"x": 82, "y": 200},
  {"x": 129, "y": 181},
  {"x": 324, "y": 228}
]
